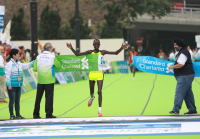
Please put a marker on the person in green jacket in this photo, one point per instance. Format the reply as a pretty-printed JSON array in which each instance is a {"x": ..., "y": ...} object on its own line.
[{"x": 44, "y": 65}]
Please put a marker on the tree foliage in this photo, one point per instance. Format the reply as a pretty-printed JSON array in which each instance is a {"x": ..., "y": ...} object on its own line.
[
  {"x": 155, "y": 8},
  {"x": 49, "y": 24},
  {"x": 18, "y": 27},
  {"x": 126, "y": 10},
  {"x": 68, "y": 32},
  {"x": 112, "y": 28}
]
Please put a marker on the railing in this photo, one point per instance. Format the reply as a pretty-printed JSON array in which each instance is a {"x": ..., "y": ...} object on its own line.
[{"x": 185, "y": 12}]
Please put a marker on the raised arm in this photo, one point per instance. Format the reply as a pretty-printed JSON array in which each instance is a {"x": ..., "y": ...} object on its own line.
[
  {"x": 116, "y": 52},
  {"x": 76, "y": 53}
]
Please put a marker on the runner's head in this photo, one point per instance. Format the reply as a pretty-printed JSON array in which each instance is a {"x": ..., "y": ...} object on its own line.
[
  {"x": 132, "y": 48},
  {"x": 96, "y": 44},
  {"x": 161, "y": 51}
]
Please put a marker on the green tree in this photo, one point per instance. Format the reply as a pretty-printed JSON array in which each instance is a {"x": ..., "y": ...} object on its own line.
[
  {"x": 155, "y": 8},
  {"x": 49, "y": 24},
  {"x": 68, "y": 32},
  {"x": 130, "y": 8},
  {"x": 18, "y": 27},
  {"x": 112, "y": 28}
]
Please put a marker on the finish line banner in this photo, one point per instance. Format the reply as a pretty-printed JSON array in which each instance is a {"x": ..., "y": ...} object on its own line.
[
  {"x": 158, "y": 66},
  {"x": 89, "y": 62}
]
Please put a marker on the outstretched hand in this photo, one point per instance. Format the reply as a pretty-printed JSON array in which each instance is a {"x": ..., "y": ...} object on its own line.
[
  {"x": 170, "y": 67},
  {"x": 124, "y": 46},
  {"x": 69, "y": 45}
]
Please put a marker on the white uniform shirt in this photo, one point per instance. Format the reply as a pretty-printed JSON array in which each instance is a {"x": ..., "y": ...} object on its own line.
[{"x": 182, "y": 59}]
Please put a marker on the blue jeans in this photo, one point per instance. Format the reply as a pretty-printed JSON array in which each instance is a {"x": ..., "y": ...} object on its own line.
[
  {"x": 184, "y": 92},
  {"x": 14, "y": 98}
]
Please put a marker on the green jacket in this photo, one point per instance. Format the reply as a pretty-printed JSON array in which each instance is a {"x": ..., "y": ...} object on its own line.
[{"x": 45, "y": 64}]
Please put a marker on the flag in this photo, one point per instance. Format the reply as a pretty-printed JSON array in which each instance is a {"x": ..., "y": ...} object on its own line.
[
  {"x": 40, "y": 46},
  {"x": 6, "y": 35}
]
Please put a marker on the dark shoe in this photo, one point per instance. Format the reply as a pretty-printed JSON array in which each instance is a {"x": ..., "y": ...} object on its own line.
[
  {"x": 174, "y": 112},
  {"x": 13, "y": 117},
  {"x": 51, "y": 116},
  {"x": 20, "y": 117},
  {"x": 191, "y": 113},
  {"x": 36, "y": 117}
]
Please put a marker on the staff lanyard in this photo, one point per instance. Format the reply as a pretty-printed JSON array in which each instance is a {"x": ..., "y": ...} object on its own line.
[{"x": 17, "y": 69}]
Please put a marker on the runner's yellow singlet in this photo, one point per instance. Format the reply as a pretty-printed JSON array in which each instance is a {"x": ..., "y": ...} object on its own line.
[{"x": 96, "y": 75}]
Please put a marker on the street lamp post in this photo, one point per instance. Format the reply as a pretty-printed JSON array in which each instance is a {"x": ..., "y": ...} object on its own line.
[
  {"x": 77, "y": 26},
  {"x": 34, "y": 29}
]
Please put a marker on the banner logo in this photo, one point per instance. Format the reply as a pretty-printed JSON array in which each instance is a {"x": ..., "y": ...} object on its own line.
[
  {"x": 102, "y": 60},
  {"x": 171, "y": 70},
  {"x": 84, "y": 63}
]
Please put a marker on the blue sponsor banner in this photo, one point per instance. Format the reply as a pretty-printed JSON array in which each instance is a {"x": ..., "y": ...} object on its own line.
[
  {"x": 28, "y": 82},
  {"x": 85, "y": 74},
  {"x": 197, "y": 58},
  {"x": 30, "y": 79},
  {"x": 23, "y": 90},
  {"x": 120, "y": 67},
  {"x": 60, "y": 77},
  {"x": 2, "y": 12},
  {"x": 77, "y": 76},
  {"x": 69, "y": 77},
  {"x": 196, "y": 66},
  {"x": 123, "y": 66},
  {"x": 1, "y": 24},
  {"x": 158, "y": 66}
]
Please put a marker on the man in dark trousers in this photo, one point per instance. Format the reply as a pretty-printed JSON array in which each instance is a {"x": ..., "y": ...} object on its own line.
[
  {"x": 44, "y": 65},
  {"x": 184, "y": 74}
]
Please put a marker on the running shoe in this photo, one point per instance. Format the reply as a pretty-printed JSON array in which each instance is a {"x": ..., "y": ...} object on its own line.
[
  {"x": 100, "y": 114},
  {"x": 4, "y": 101},
  {"x": 90, "y": 101}
]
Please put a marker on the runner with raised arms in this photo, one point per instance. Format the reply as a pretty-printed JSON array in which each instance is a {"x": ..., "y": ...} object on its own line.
[{"x": 96, "y": 75}]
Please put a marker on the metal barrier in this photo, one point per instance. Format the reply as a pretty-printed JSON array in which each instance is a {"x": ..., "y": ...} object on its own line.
[{"x": 185, "y": 12}]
